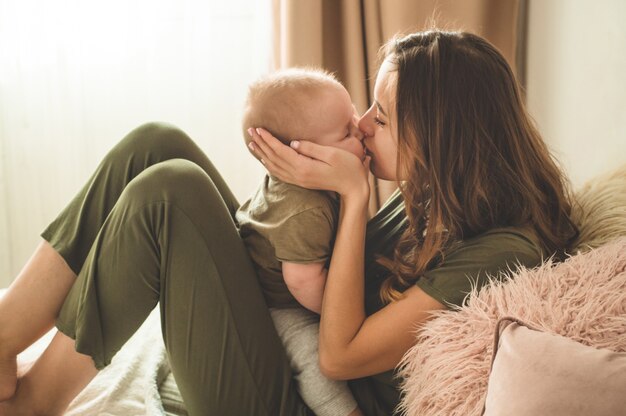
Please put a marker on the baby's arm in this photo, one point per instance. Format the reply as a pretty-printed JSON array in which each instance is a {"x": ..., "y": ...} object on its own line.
[{"x": 306, "y": 283}]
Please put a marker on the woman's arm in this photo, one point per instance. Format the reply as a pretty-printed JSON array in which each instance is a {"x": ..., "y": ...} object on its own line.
[
  {"x": 351, "y": 345},
  {"x": 343, "y": 304}
]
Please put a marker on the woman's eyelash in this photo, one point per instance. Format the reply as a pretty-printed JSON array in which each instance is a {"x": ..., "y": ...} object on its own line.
[{"x": 378, "y": 121}]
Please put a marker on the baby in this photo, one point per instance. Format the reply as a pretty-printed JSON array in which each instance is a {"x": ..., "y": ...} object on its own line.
[{"x": 289, "y": 230}]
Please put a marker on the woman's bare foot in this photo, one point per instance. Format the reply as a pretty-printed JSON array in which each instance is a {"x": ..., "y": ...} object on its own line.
[
  {"x": 8, "y": 408},
  {"x": 52, "y": 382},
  {"x": 5, "y": 409},
  {"x": 8, "y": 376},
  {"x": 355, "y": 412}
]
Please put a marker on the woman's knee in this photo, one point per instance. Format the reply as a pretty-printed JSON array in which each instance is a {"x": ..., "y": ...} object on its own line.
[
  {"x": 156, "y": 141},
  {"x": 172, "y": 176},
  {"x": 173, "y": 180}
]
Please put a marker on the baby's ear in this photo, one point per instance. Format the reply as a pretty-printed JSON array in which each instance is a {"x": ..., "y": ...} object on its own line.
[
  {"x": 247, "y": 138},
  {"x": 281, "y": 138},
  {"x": 254, "y": 154}
]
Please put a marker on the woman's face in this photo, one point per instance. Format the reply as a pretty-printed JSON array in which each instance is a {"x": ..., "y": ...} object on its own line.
[{"x": 376, "y": 124}]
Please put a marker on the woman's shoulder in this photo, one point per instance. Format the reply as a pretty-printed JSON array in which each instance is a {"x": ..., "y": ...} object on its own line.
[
  {"x": 471, "y": 262},
  {"x": 508, "y": 239},
  {"x": 496, "y": 247}
]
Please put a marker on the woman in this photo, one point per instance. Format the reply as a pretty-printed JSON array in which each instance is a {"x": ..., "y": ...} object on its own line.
[{"x": 479, "y": 194}]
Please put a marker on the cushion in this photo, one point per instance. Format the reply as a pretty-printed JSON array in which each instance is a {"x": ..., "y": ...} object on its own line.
[
  {"x": 535, "y": 373},
  {"x": 583, "y": 299},
  {"x": 599, "y": 210}
]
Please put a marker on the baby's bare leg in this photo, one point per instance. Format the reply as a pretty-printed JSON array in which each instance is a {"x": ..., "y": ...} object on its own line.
[{"x": 29, "y": 308}]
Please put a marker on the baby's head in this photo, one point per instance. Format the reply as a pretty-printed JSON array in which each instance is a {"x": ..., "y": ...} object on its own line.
[{"x": 303, "y": 104}]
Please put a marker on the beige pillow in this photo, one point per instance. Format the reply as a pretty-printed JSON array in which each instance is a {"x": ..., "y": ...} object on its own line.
[
  {"x": 536, "y": 373},
  {"x": 599, "y": 210}
]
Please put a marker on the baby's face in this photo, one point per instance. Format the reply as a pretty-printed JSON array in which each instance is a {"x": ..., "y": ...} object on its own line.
[{"x": 335, "y": 122}]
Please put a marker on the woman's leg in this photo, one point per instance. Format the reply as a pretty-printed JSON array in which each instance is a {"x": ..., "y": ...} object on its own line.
[
  {"x": 52, "y": 382},
  {"x": 33, "y": 301},
  {"x": 171, "y": 239},
  {"x": 73, "y": 232}
]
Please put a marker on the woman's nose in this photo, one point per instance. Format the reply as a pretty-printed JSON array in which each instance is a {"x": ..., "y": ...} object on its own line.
[
  {"x": 357, "y": 133},
  {"x": 364, "y": 127}
]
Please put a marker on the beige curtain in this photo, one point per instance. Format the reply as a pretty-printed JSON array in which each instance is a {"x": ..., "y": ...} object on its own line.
[{"x": 344, "y": 36}]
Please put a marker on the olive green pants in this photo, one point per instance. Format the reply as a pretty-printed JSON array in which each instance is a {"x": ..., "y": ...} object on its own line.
[{"x": 155, "y": 224}]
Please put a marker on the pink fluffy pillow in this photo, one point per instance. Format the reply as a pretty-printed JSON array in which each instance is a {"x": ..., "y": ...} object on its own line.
[
  {"x": 583, "y": 298},
  {"x": 535, "y": 373}
]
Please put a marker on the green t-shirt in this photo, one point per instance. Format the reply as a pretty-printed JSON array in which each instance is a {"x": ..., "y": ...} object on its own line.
[
  {"x": 467, "y": 265},
  {"x": 286, "y": 223}
]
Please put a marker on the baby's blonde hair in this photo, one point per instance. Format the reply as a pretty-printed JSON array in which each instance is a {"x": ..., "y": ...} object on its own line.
[{"x": 275, "y": 101}]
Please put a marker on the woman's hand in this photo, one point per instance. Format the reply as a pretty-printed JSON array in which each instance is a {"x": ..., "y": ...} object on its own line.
[{"x": 311, "y": 165}]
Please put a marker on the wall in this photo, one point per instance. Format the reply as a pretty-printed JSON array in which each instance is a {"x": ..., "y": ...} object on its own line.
[
  {"x": 76, "y": 76},
  {"x": 576, "y": 86}
]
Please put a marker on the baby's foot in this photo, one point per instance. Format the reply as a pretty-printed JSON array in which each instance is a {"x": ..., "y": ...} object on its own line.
[{"x": 8, "y": 377}]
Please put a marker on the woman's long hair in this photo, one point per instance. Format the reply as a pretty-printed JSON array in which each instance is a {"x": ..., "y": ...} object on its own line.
[{"x": 470, "y": 154}]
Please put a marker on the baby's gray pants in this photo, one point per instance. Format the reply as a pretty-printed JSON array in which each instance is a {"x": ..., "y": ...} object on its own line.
[{"x": 298, "y": 329}]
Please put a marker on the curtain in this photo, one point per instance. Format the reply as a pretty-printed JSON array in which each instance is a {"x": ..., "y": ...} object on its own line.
[
  {"x": 344, "y": 37},
  {"x": 77, "y": 75}
]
